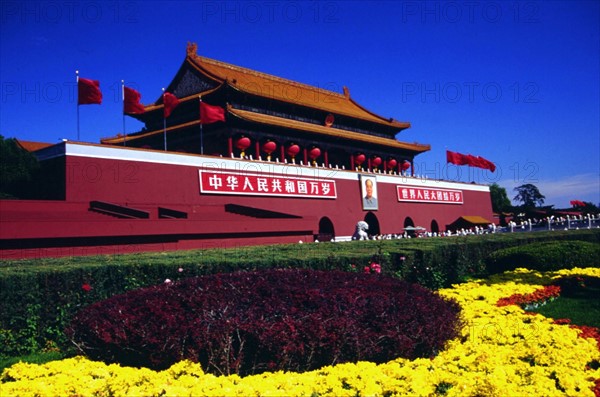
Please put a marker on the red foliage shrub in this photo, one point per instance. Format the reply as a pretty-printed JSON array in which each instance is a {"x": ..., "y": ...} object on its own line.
[{"x": 251, "y": 322}]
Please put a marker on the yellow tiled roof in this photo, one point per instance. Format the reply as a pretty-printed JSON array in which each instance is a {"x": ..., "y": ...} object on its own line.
[
  {"x": 475, "y": 219},
  {"x": 280, "y": 89}
]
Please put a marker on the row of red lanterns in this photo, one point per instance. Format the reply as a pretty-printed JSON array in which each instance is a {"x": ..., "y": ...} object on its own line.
[
  {"x": 294, "y": 149},
  {"x": 269, "y": 147},
  {"x": 377, "y": 161}
]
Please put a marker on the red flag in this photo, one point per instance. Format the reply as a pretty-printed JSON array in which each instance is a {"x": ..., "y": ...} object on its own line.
[
  {"x": 474, "y": 161},
  {"x": 131, "y": 101},
  {"x": 480, "y": 162},
  {"x": 468, "y": 159},
  {"x": 211, "y": 114},
  {"x": 88, "y": 92},
  {"x": 170, "y": 102},
  {"x": 456, "y": 158},
  {"x": 452, "y": 157},
  {"x": 487, "y": 164}
]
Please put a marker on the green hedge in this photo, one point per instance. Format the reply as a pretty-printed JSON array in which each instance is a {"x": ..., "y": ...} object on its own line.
[
  {"x": 38, "y": 297},
  {"x": 545, "y": 256}
]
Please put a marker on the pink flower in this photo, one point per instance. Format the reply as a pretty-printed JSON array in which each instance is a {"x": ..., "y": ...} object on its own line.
[
  {"x": 373, "y": 268},
  {"x": 168, "y": 281},
  {"x": 180, "y": 270}
]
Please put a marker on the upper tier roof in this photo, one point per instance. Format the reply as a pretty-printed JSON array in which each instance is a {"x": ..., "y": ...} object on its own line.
[
  {"x": 280, "y": 89},
  {"x": 326, "y": 131},
  {"x": 260, "y": 118}
]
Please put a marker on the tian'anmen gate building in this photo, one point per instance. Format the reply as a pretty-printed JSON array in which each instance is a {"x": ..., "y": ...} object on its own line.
[
  {"x": 326, "y": 127},
  {"x": 267, "y": 160}
]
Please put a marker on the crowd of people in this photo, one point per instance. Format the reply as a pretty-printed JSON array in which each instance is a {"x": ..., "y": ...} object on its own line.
[{"x": 567, "y": 222}]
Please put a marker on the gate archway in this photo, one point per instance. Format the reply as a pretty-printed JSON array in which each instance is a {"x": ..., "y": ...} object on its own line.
[
  {"x": 373, "y": 222},
  {"x": 326, "y": 230},
  {"x": 408, "y": 222},
  {"x": 434, "y": 226}
]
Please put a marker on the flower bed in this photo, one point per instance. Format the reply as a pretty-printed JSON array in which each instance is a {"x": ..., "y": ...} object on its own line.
[
  {"x": 247, "y": 323},
  {"x": 533, "y": 300},
  {"x": 502, "y": 351}
]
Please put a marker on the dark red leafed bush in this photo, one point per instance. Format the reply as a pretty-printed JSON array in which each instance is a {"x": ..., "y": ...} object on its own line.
[{"x": 251, "y": 322}]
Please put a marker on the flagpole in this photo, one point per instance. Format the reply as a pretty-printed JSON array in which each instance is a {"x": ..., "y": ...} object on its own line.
[
  {"x": 164, "y": 122},
  {"x": 201, "y": 131},
  {"x": 123, "y": 97},
  {"x": 77, "y": 101}
]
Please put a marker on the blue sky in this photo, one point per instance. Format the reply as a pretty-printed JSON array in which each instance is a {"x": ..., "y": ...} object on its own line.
[{"x": 516, "y": 82}]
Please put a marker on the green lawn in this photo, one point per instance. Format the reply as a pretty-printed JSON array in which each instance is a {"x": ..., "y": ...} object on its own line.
[
  {"x": 581, "y": 306},
  {"x": 34, "y": 358}
]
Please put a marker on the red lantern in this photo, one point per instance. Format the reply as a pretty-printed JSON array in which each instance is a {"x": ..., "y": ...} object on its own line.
[
  {"x": 376, "y": 161},
  {"x": 242, "y": 144},
  {"x": 293, "y": 150},
  {"x": 314, "y": 153},
  {"x": 392, "y": 163},
  {"x": 269, "y": 147},
  {"x": 405, "y": 165},
  {"x": 329, "y": 120},
  {"x": 359, "y": 159}
]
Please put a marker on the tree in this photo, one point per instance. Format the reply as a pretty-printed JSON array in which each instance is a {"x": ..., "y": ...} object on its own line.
[
  {"x": 529, "y": 195},
  {"x": 500, "y": 201},
  {"x": 17, "y": 169}
]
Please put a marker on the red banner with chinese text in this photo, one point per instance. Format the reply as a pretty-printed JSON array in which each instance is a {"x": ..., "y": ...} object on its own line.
[
  {"x": 230, "y": 182},
  {"x": 429, "y": 195}
]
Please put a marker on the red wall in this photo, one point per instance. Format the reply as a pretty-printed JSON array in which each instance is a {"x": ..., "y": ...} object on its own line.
[
  {"x": 56, "y": 228},
  {"x": 140, "y": 184}
]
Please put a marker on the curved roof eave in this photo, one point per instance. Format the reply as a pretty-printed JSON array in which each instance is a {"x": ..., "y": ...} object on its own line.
[
  {"x": 322, "y": 130},
  {"x": 154, "y": 107},
  {"x": 127, "y": 138}
]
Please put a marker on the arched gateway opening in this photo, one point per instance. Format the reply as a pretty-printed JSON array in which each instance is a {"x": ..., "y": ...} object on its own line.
[
  {"x": 434, "y": 226},
  {"x": 408, "y": 223},
  {"x": 326, "y": 230},
  {"x": 373, "y": 222}
]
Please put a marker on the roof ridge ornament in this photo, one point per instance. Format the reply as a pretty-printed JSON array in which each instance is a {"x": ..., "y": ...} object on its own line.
[
  {"x": 192, "y": 49},
  {"x": 346, "y": 92}
]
